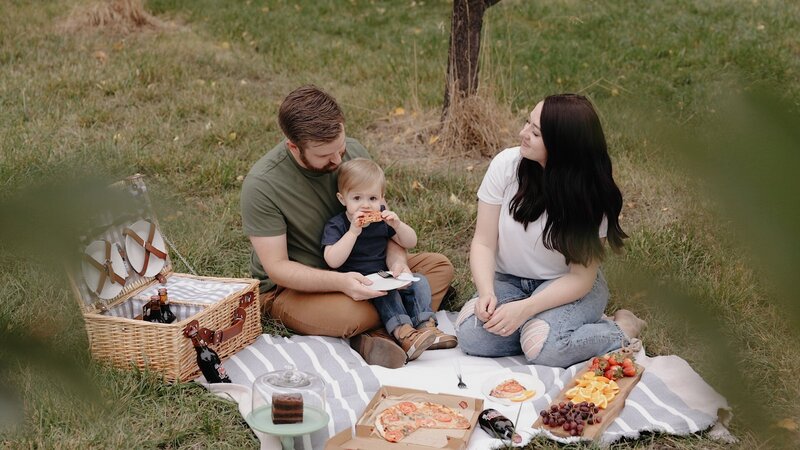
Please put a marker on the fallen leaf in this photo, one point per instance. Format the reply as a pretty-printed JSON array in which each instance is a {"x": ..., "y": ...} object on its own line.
[
  {"x": 118, "y": 46},
  {"x": 100, "y": 56},
  {"x": 399, "y": 111},
  {"x": 787, "y": 424},
  {"x": 416, "y": 185},
  {"x": 455, "y": 200},
  {"x": 433, "y": 139},
  {"x": 470, "y": 168},
  {"x": 614, "y": 92},
  {"x": 232, "y": 136},
  {"x": 225, "y": 45},
  {"x": 240, "y": 178}
]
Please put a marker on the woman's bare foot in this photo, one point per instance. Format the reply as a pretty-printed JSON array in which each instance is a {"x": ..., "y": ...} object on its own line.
[{"x": 629, "y": 323}]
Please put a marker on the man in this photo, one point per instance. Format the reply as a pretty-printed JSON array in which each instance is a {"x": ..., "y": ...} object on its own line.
[{"x": 287, "y": 197}]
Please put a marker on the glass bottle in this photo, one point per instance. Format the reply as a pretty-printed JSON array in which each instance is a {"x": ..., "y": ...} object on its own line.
[
  {"x": 498, "y": 425},
  {"x": 166, "y": 312},
  {"x": 152, "y": 310},
  {"x": 209, "y": 362}
]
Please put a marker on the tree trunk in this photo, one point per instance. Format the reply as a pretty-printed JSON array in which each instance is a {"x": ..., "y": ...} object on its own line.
[{"x": 465, "y": 45}]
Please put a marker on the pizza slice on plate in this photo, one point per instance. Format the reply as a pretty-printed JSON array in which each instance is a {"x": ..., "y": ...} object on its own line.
[{"x": 513, "y": 390}]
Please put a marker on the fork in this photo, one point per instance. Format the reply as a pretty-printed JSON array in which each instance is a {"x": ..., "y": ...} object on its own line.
[{"x": 461, "y": 384}]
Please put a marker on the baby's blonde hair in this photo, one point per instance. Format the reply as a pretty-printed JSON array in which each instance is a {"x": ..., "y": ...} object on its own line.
[{"x": 360, "y": 172}]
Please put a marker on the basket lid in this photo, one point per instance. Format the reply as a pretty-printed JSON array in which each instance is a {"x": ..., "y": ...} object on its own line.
[{"x": 123, "y": 252}]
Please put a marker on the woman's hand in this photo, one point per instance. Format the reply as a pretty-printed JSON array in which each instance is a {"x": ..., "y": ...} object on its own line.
[
  {"x": 508, "y": 318},
  {"x": 484, "y": 307}
]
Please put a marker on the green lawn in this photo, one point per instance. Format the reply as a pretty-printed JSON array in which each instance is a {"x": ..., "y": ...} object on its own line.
[{"x": 193, "y": 104}]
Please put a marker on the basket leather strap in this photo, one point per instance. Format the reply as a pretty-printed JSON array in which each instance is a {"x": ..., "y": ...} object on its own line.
[
  {"x": 148, "y": 246},
  {"x": 106, "y": 269},
  {"x": 220, "y": 336}
]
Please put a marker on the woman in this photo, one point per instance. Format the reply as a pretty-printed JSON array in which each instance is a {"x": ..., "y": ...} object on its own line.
[{"x": 545, "y": 211}]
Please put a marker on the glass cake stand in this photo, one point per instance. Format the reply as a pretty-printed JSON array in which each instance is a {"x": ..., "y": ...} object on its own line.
[
  {"x": 313, "y": 420},
  {"x": 288, "y": 381}
]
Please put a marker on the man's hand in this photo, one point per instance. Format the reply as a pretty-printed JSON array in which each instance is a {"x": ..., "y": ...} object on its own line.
[
  {"x": 399, "y": 267},
  {"x": 355, "y": 286},
  {"x": 484, "y": 307}
]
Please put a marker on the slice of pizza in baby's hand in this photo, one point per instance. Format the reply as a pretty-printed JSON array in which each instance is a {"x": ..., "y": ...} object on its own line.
[{"x": 369, "y": 217}]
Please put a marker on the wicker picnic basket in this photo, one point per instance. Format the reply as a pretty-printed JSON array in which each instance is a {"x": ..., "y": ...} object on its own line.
[{"x": 112, "y": 292}]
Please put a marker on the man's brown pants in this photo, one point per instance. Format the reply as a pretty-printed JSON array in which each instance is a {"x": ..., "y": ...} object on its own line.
[{"x": 336, "y": 314}]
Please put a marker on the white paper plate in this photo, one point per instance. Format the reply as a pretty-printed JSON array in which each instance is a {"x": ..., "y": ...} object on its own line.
[
  {"x": 386, "y": 284},
  {"x": 531, "y": 382},
  {"x": 97, "y": 251},
  {"x": 136, "y": 252}
]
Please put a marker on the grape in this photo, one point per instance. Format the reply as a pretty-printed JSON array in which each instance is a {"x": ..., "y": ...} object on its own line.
[{"x": 571, "y": 417}]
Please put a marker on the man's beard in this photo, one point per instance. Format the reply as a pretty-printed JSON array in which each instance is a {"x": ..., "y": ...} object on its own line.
[{"x": 328, "y": 168}]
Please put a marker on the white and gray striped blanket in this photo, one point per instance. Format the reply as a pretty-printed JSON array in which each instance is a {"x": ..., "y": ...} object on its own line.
[{"x": 670, "y": 398}]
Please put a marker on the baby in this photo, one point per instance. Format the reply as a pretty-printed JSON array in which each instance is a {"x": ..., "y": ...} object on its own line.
[{"x": 353, "y": 243}]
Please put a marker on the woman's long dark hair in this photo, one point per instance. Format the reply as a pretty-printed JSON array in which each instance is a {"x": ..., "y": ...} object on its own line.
[{"x": 575, "y": 187}]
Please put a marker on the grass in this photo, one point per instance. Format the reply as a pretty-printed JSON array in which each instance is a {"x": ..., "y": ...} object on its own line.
[{"x": 193, "y": 105}]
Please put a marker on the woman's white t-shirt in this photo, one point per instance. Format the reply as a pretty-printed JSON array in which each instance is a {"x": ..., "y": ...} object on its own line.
[{"x": 520, "y": 252}]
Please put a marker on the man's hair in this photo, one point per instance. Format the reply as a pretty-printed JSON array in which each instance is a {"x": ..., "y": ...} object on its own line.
[
  {"x": 309, "y": 114},
  {"x": 360, "y": 172}
]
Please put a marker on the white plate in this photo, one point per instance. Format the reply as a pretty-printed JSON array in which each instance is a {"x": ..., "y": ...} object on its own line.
[
  {"x": 136, "y": 252},
  {"x": 527, "y": 380},
  {"x": 97, "y": 251},
  {"x": 386, "y": 284}
]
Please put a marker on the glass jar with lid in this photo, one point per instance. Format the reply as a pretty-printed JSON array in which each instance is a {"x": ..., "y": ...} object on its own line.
[{"x": 288, "y": 403}]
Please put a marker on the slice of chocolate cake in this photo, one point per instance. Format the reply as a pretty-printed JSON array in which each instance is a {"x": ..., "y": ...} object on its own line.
[{"x": 287, "y": 408}]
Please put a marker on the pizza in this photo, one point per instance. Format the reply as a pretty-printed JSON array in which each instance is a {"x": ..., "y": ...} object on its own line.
[
  {"x": 509, "y": 389},
  {"x": 370, "y": 217},
  {"x": 398, "y": 421}
]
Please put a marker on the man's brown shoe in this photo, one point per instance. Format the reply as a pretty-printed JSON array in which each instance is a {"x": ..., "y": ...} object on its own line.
[
  {"x": 442, "y": 340},
  {"x": 414, "y": 342},
  {"x": 379, "y": 349}
]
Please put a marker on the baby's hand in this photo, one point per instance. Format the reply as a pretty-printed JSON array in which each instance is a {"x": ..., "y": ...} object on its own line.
[
  {"x": 390, "y": 217},
  {"x": 356, "y": 225}
]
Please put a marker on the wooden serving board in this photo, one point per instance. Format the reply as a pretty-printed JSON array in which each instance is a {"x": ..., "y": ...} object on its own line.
[{"x": 608, "y": 415}]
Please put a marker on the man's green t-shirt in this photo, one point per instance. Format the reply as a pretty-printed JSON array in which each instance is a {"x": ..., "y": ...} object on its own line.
[{"x": 281, "y": 197}]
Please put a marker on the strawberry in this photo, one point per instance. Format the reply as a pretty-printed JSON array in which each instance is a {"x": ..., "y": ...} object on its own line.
[
  {"x": 629, "y": 371},
  {"x": 627, "y": 362},
  {"x": 612, "y": 359},
  {"x": 614, "y": 373}
]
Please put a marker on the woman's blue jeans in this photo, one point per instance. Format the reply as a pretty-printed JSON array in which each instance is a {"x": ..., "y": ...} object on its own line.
[
  {"x": 577, "y": 329},
  {"x": 411, "y": 305}
]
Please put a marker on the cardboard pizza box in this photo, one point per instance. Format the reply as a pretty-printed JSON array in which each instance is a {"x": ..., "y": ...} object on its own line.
[{"x": 366, "y": 438}]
